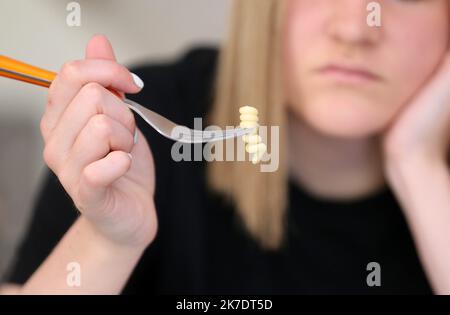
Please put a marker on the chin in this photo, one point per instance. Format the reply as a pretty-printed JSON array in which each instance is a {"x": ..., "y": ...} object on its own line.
[{"x": 342, "y": 117}]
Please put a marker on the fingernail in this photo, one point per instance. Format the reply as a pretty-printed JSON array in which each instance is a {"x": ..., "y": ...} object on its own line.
[
  {"x": 131, "y": 157},
  {"x": 138, "y": 81},
  {"x": 135, "y": 139}
]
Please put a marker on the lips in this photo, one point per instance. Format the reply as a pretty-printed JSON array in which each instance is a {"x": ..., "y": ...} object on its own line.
[{"x": 348, "y": 74}]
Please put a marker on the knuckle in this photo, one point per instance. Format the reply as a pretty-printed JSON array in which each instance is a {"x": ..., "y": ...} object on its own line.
[
  {"x": 102, "y": 125},
  {"x": 70, "y": 69},
  {"x": 94, "y": 92},
  {"x": 49, "y": 156}
]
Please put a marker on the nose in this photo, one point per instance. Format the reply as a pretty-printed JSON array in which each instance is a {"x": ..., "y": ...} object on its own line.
[{"x": 347, "y": 23}]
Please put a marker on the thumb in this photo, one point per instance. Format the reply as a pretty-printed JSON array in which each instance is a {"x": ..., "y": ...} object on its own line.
[{"x": 99, "y": 47}]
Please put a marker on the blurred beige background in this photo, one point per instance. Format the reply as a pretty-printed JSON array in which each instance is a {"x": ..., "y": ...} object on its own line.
[{"x": 35, "y": 31}]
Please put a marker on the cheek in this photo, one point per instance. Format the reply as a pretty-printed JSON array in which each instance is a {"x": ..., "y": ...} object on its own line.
[
  {"x": 302, "y": 36},
  {"x": 303, "y": 27},
  {"x": 405, "y": 56}
]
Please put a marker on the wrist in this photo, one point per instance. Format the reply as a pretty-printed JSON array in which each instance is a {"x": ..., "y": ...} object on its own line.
[
  {"x": 102, "y": 244},
  {"x": 134, "y": 231},
  {"x": 413, "y": 165},
  {"x": 413, "y": 176}
]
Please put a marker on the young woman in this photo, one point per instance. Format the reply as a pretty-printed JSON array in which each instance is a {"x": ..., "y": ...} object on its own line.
[{"x": 364, "y": 116}]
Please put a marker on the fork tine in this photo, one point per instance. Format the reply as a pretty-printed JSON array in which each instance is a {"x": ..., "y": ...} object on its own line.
[
  {"x": 197, "y": 136},
  {"x": 220, "y": 134},
  {"x": 228, "y": 132}
]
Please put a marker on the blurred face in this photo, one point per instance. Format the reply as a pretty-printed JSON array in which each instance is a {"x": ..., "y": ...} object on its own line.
[{"x": 348, "y": 79}]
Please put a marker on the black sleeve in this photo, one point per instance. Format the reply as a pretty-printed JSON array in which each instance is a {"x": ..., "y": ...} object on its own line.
[{"x": 54, "y": 214}]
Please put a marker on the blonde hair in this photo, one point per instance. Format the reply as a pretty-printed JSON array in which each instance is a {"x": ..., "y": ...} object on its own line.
[{"x": 249, "y": 73}]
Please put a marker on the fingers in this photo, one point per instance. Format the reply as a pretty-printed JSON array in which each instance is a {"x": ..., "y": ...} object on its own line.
[
  {"x": 92, "y": 100},
  {"x": 101, "y": 135},
  {"x": 75, "y": 74},
  {"x": 88, "y": 131},
  {"x": 97, "y": 176}
]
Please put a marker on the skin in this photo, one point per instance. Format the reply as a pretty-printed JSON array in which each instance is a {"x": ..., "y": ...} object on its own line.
[
  {"x": 394, "y": 130},
  {"x": 88, "y": 134},
  {"x": 318, "y": 33},
  {"x": 341, "y": 121},
  {"x": 348, "y": 138}
]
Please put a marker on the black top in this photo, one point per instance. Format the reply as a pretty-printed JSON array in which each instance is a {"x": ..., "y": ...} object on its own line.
[{"x": 201, "y": 246}]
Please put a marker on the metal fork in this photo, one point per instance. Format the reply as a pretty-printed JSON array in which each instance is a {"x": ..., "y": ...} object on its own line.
[
  {"x": 180, "y": 133},
  {"x": 17, "y": 70}
]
